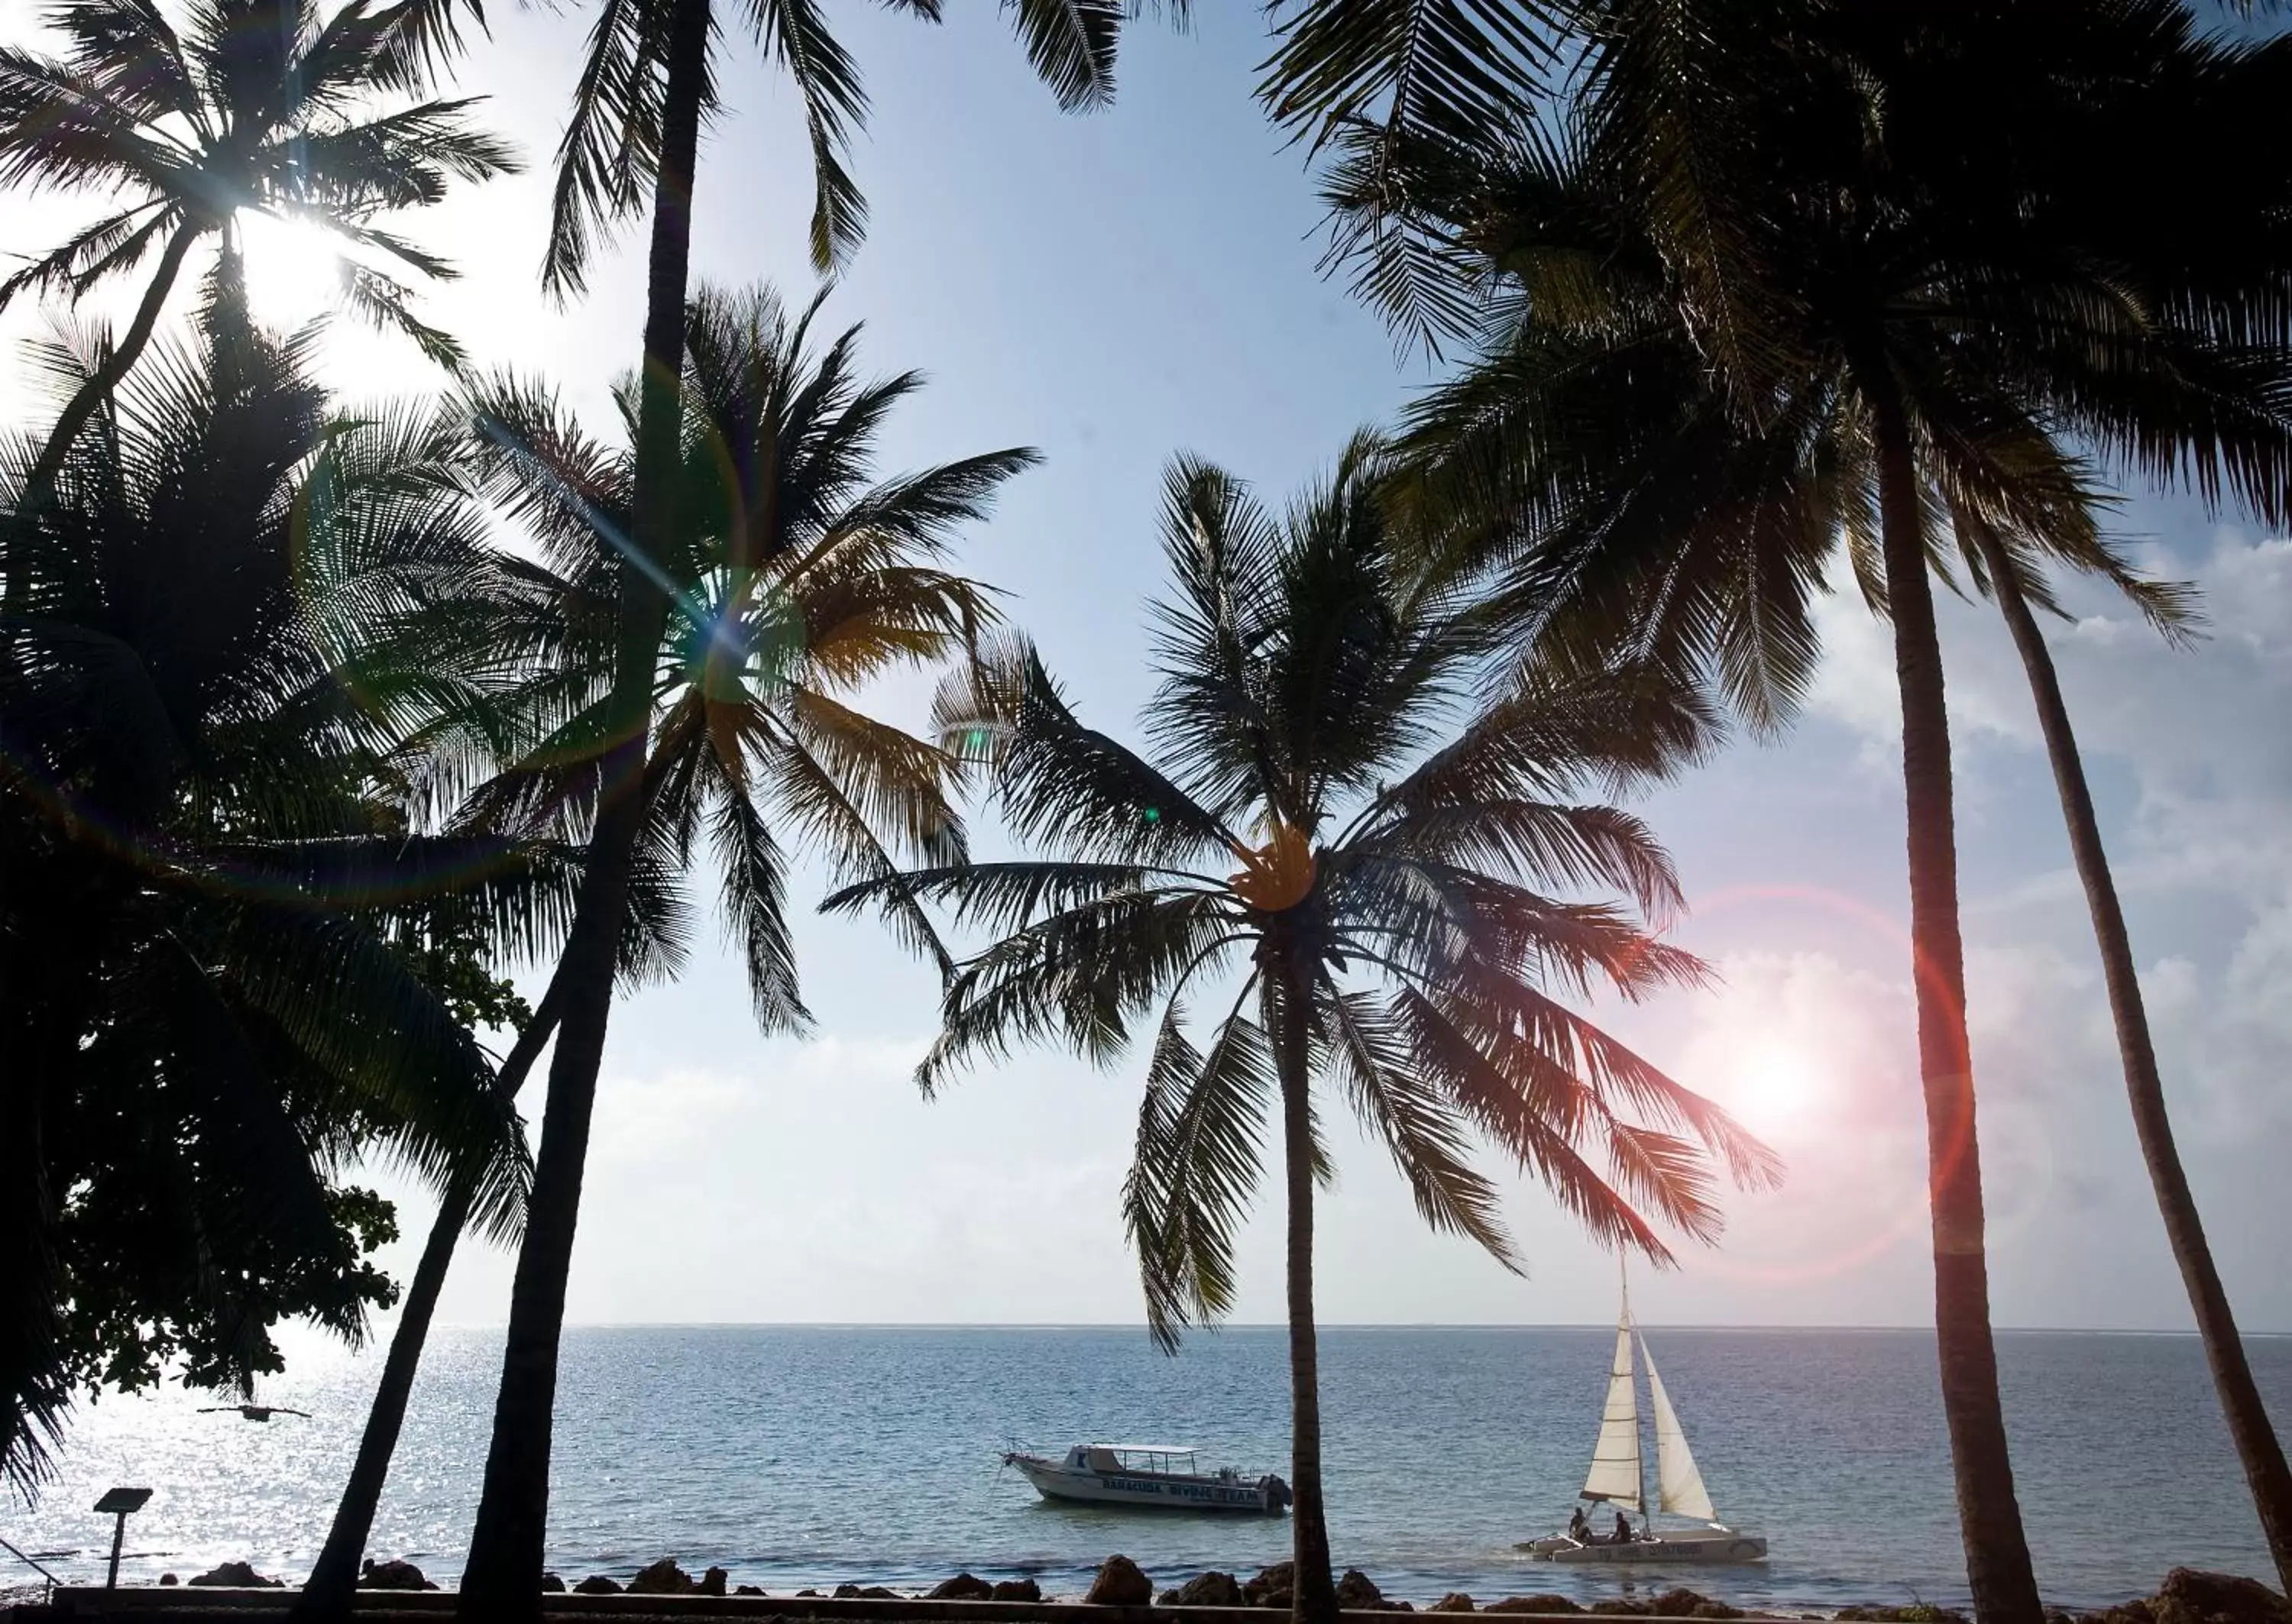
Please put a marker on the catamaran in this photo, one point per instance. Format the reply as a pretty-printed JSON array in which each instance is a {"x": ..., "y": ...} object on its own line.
[
  {"x": 1618, "y": 1478},
  {"x": 1162, "y": 1476}
]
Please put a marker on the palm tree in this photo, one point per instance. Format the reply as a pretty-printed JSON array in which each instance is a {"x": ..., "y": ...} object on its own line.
[
  {"x": 261, "y": 108},
  {"x": 1397, "y": 911},
  {"x": 632, "y": 144},
  {"x": 2258, "y": 1445},
  {"x": 1966, "y": 299},
  {"x": 794, "y": 580},
  {"x": 212, "y": 883}
]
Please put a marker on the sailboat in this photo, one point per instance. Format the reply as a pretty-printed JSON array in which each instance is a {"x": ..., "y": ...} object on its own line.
[{"x": 1618, "y": 1478}]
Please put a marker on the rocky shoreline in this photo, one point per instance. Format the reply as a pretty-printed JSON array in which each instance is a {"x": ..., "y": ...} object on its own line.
[{"x": 2187, "y": 1597}]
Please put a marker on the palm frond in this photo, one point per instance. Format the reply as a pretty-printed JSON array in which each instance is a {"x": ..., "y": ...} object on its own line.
[
  {"x": 1412, "y": 1117},
  {"x": 1195, "y": 1166},
  {"x": 1070, "y": 43}
]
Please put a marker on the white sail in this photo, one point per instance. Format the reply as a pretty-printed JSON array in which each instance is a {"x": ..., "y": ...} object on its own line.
[
  {"x": 1615, "y": 1474},
  {"x": 1679, "y": 1486}
]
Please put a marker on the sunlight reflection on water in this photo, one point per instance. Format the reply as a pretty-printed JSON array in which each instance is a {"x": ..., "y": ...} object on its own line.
[{"x": 802, "y": 1456}]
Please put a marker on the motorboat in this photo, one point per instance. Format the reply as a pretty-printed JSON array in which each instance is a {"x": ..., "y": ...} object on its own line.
[
  {"x": 1164, "y": 1477},
  {"x": 1618, "y": 1478}
]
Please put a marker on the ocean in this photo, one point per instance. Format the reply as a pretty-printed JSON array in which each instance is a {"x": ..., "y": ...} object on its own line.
[{"x": 807, "y": 1456}]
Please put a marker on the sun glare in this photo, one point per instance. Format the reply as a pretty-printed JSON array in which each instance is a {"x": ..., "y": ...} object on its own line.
[
  {"x": 293, "y": 271},
  {"x": 1776, "y": 1085}
]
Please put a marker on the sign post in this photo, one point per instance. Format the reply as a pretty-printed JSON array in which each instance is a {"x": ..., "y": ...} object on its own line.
[{"x": 120, "y": 1502}]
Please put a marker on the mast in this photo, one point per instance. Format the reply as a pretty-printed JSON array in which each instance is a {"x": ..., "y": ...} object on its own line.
[
  {"x": 1639, "y": 1455},
  {"x": 1618, "y": 1473}
]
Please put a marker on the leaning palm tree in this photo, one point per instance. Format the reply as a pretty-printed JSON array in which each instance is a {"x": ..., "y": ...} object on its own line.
[
  {"x": 632, "y": 147},
  {"x": 209, "y": 875},
  {"x": 259, "y": 107},
  {"x": 1967, "y": 300},
  {"x": 1366, "y": 903},
  {"x": 795, "y": 578},
  {"x": 2258, "y": 1445}
]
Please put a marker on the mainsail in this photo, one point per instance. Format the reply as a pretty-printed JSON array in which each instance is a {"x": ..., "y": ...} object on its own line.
[
  {"x": 1616, "y": 1457},
  {"x": 1679, "y": 1486}
]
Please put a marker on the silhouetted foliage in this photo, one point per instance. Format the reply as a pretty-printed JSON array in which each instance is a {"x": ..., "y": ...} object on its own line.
[{"x": 229, "y": 964}]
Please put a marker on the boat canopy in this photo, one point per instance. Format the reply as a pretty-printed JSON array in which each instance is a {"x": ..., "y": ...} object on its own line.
[{"x": 1147, "y": 1449}]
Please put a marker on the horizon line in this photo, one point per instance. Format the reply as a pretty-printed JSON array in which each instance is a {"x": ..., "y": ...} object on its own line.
[{"x": 1140, "y": 1325}]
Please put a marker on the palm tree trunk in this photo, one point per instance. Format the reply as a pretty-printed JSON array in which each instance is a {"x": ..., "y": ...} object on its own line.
[
  {"x": 2257, "y": 1443},
  {"x": 501, "y": 1583},
  {"x": 1313, "y": 1595},
  {"x": 333, "y": 1578},
  {"x": 1997, "y": 1552},
  {"x": 108, "y": 372}
]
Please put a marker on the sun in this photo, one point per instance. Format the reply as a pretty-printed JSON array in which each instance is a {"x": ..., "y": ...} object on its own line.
[
  {"x": 294, "y": 270},
  {"x": 1776, "y": 1085}
]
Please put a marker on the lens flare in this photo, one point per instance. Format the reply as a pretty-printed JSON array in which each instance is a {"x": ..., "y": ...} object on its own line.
[
  {"x": 294, "y": 270},
  {"x": 1848, "y": 1125}
]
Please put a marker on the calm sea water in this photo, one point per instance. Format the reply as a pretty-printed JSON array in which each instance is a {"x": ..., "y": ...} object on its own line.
[{"x": 807, "y": 1456}]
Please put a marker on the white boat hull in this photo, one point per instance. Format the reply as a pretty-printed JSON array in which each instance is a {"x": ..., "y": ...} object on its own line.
[
  {"x": 1716, "y": 1545},
  {"x": 1157, "y": 1490}
]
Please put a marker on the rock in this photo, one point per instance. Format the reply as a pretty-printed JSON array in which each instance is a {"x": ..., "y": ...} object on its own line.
[
  {"x": 1120, "y": 1583},
  {"x": 237, "y": 1576},
  {"x": 397, "y": 1574},
  {"x": 747, "y": 1590},
  {"x": 712, "y": 1582},
  {"x": 1616, "y": 1607},
  {"x": 596, "y": 1584},
  {"x": 864, "y": 1593},
  {"x": 1015, "y": 1590},
  {"x": 1212, "y": 1589},
  {"x": 962, "y": 1588},
  {"x": 1917, "y": 1613},
  {"x": 550, "y": 1584},
  {"x": 813, "y": 1594},
  {"x": 1356, "y": 1594},
  {"x": 2190, "y": 1596},
  {"x": 663, "y": 1577},
  {"x": 1455, "y": 1601},
  {"x": 1542, "y": 1602},
  {"x": 169, "y": 1579},
  {"x": 1685, "y": 1604},
  {"x": 1273, "y": 1587}
]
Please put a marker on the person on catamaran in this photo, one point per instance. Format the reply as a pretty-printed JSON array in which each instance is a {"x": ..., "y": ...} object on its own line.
[
  {"x": 1623, "y": 1534},
  {"x": 1579, "y": 1526}
]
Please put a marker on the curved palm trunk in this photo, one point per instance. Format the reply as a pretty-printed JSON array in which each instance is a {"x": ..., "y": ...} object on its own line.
[
  {"x": 1997, "y": 1552},
  {"x": 334, "y": 1579},
  {"x": 1314, "y": 1598},
  {"x": 109, "y": 372},
  {"x": 501, "y": 1583},
  {"x": 2257, "y": 1446}
]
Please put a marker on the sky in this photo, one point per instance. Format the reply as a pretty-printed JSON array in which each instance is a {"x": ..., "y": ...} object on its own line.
[{"x": 1117, "y": 287}]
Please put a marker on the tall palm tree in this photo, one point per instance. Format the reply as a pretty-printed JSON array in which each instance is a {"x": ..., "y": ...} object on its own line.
[
  {"x": 260, "y": 107},
  {"x": 222, "y": 635},
  {"x": 1967, "y": 301},
  {"x": 1399, "y": 912},
  {"x": 632, "y": 146},
  {"x": 2257, "y": 1446},
  {"x": 792, "y": 579}
]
